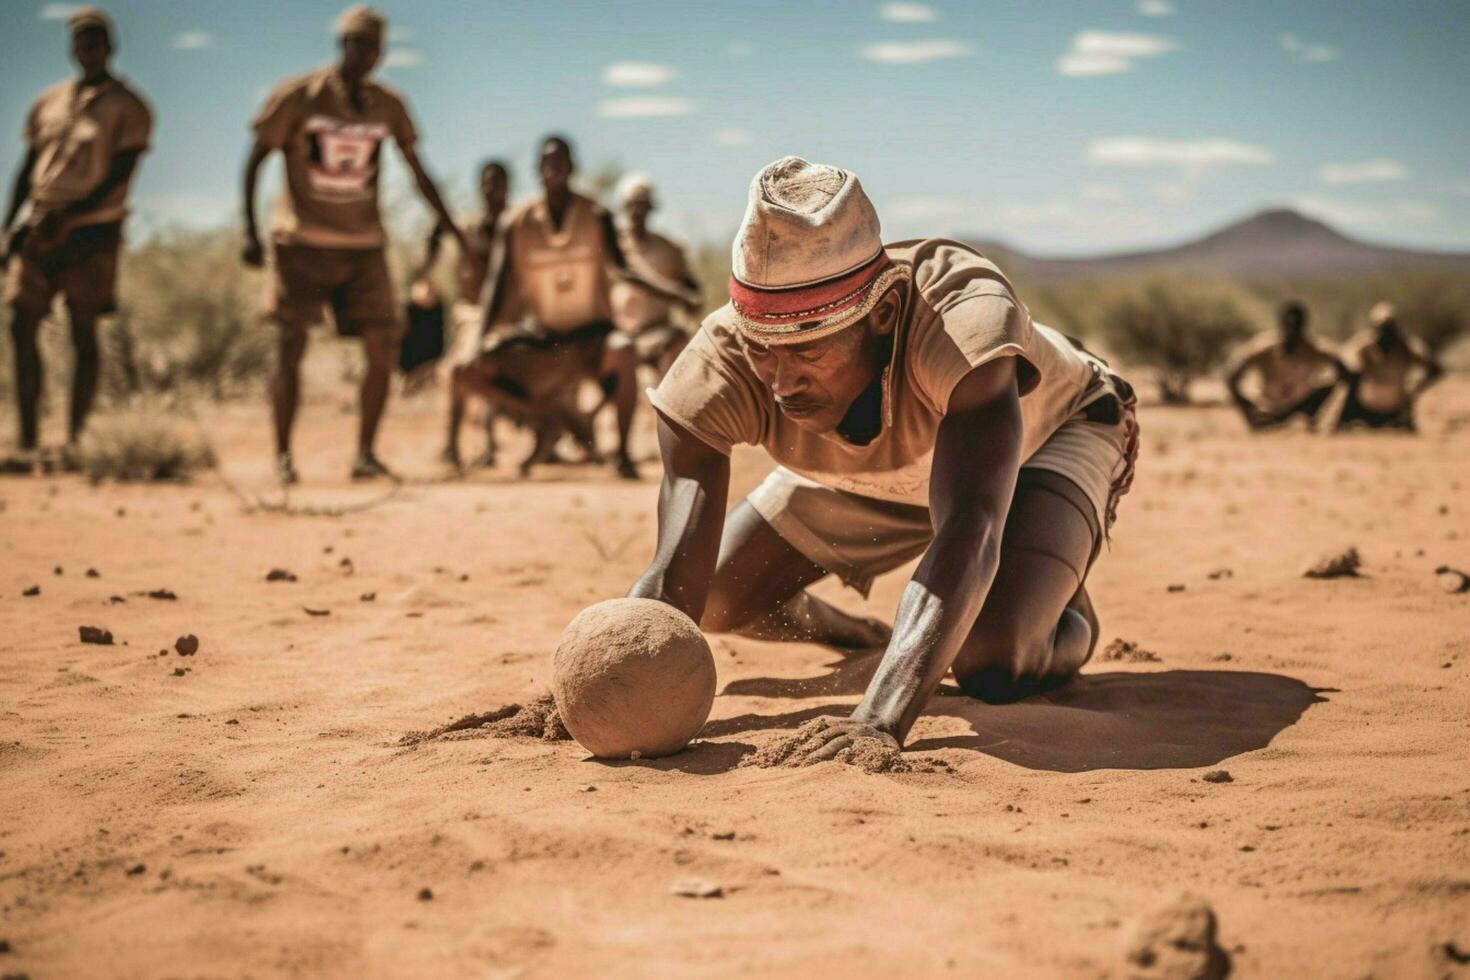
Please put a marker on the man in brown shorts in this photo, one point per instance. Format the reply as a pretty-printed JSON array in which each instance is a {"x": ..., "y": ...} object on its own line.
[
  {"x": 560, "y": 251},
  {"x": 1388, "y": 369},
  {"x": 1295, "y": 375},
  {"x": 83, "y": 140},
  {"x": 648, "y": 317},
  {"x": 914, "y": 409},
  {"x": 330, "y": 126}
]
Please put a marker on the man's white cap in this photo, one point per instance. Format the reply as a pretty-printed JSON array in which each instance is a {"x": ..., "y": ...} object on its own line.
[{"x": 635, "y": 187}]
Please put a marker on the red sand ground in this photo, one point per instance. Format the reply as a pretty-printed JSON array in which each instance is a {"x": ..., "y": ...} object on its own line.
[{"x": 255, "y": 815}]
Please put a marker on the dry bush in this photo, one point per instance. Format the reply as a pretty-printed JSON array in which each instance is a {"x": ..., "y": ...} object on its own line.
[
  {"x": 142, "y": 443},
  {"x": 1433, "y": 304},
  {"x": 1180, "y": 328}
]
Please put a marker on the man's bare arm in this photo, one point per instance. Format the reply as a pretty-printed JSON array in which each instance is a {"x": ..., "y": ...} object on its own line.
[
  {"x": 430, "y": 193},
  {"x": 20, "y": 189},
  {"x": 121, "y": 172},
  {"x": 691, "y": 519},
  {"x": 968, "y": 503},
  {"x": 672, "y": 291},
  {"x": 252, "y": 253}
]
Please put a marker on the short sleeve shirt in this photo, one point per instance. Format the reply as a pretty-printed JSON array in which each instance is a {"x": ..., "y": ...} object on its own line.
[
  {"x": 959, "y": 312},
  {"x": 333, "y": 152},
  {"x": 77, "y": 132},
  {"x": 560, "y": 273}
]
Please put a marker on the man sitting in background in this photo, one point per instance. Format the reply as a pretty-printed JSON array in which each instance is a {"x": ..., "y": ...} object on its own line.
[
  {"x": 650, "y": 318},
  {"x": 1296, "y": 376},
  {"x": 83, "y": 140},
  {"x": 1380, "y": 362}
]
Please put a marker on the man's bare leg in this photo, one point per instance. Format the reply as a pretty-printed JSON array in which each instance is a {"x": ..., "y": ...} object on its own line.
[
  {"x": 1037, "y": 627},
  {"x": 759, "y": 591},
  {"x": 84, "y": 373},
  {"x": 380, "y": 347},
  {"x": 285, "y": 394},
  {"x": 486, "y": 458},
  {"x": 24, "y": 327},
  {"x": 620, "y": 367},
  {"x": 458, "y": 399}
]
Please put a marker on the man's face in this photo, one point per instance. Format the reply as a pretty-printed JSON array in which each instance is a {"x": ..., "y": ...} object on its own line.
[
  {"x": 90, "y": 48},
  {"x": 556, "y": 167},
  {"x": 815, "y": 383},
  {"x": 360, "y": 54},
  {"x": 638, "y": 211},
  {"x": 1293, "y": 326},
  {"x": 493, "y": 189}
]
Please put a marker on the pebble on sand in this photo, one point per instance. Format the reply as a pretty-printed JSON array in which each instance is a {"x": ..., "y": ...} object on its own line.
[
  {"x": 93, "y": 573},
  {"x": 95, "y": 634},
  {"x": 1130, "y": 652},
  {"x": 187, "y": 645},
  {"x": 1218, "y": 776},
  {"x": 1337, "y": 565},
  {"x": 1452, "y": 580},
  {"x": 426, "y": 895},
  {"x": 1176, "y": 942},
  {"x": 33, "y": 590},
  {"x": 280, "y": 575},
  {"x": 697, "y": 888}
]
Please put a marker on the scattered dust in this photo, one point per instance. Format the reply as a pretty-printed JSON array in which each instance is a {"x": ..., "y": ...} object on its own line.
[
  {"x": 536, "y": 719},
  {"x": 1337, "y": 565},
  {"x": 1129, "y": 652},
  {"x": 868, "y": 754}
]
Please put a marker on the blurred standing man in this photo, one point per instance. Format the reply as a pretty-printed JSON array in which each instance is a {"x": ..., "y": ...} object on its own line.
[
  {"x": 1296, "y": 375},
  {"x": 650, "y": 318},
  {"x": 1380, "y": 361},
  {"x": 330, "y": 126},
  {"x": 559, "y": 250},
  {"x": 83, "y": 140}
]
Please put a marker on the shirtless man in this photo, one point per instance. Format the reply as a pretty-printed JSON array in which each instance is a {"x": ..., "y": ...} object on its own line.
[
  {"x": 330, "y": 125},
  {"x": 649, "y": 318},
  {"x": 914, "y": 409},
  {"x": 83, "y": 141},
  {"x": 478, "y": 263},
  {"x": 1296, "y": 376},
  {"x": 1381, "y": 361},
  {"x": 560, "y": 251}
]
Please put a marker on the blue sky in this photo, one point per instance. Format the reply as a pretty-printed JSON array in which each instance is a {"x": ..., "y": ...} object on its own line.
[{"x": 1061, "y": 126}]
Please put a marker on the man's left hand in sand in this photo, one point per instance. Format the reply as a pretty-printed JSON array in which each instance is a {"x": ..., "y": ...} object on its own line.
[{"x": 915, "y": 409}]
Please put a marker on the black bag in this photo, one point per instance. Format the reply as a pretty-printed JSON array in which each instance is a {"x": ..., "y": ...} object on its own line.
[{"x": 425, "y": 340}]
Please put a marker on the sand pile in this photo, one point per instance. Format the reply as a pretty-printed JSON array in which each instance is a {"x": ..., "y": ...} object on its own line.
[
  {"x": 536, "y": 719},
  {"x": 792, "y": 751}
]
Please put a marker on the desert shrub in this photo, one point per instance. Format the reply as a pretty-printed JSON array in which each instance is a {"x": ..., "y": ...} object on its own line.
[
  {"x": 1181, "y": 329},
  {"x": 142, "y": 442},
  {"x": 1433, "y": 304}
]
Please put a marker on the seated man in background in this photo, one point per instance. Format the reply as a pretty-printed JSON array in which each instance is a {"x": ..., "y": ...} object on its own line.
[
  {"x": 650, "y": 318},
  {"x": 1296, "y": 376},
  {"x": 83, "y": 140},
  {"x": 1380, "y": 362},
  {"x": 916, "y": 411}
]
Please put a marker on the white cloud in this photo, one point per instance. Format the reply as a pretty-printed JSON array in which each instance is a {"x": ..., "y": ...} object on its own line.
[
  {"x": 915, "y": 52},
  {"x": 636, "y": 74},
  {"x": 1304, "y": 51},
  {"x": 644, "y": 107},
  {"x": 57, "y": 11},
  {"x": 1102, "y": 192},
  {"x": 1131, "y": 151},
  {"x": 732, "y": 137},
  {"x": 403, "y": 58},
  {"x": 1111, "y": 52},
  {"x": 1366, "y": 171},
  {"x": 908, "y": 13},
  {"x": 1155, "y": 8},
  {"x": 193, "y": 40},
  {"x": 1391, "y": 214}
]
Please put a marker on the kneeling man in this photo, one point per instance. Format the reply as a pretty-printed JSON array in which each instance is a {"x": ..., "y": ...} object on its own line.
[{"x": 914, "y": 409}]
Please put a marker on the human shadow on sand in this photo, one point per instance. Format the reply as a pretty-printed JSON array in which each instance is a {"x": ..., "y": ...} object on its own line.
[{"x": 1167, "y": 719}]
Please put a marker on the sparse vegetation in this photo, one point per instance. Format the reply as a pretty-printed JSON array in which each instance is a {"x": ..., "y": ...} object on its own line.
[{"x": 142, "y": 443}]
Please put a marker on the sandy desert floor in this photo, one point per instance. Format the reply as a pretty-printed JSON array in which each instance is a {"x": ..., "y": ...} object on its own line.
[{"x": 250, "y": 811}]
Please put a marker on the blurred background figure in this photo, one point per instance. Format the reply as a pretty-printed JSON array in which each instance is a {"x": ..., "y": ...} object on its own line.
[
  {"x": 83, "y": 140},
  {"x": 1294, "y": 376},
  {"x": 1389, "y": 369},
  {"x": 330, "y": 125},
  {"x": 656, "y": 323},
  {"x": 480, "y": 258}
]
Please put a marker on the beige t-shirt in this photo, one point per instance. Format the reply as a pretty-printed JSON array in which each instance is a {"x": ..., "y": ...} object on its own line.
[
  {"x": 655, "y": 258},
  {"x": 959, "y": 312},
  {"x": 560, "y": 273},
  {"x": 1284, "y": 377},
  {"x": 1384, "y": 385},
  {"x": 333, "y": 157},
  {"x": 77, "y": 132}
]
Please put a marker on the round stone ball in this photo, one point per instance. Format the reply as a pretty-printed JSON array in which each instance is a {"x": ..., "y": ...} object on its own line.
[{"x": 633, "y": 678}]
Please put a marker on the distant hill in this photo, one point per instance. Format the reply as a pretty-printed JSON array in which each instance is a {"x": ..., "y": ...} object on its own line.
[{"x": 1275, "y": 244}]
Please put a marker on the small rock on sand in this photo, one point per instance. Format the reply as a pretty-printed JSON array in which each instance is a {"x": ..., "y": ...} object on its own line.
[
  {"x": 166, "y": 595},
  {"x": 33, "y": 590},
  {"x": 1452, "y": 580},
  {"x": 280, "y": 575},
  {"x": 697, "y": 888},
  {"x": 426, "y": 895},
  {"x": 93, "y": 573},
  {"x": 1221, "y": 573},
  {"x": 1176, "y": 587},
  {"x": 187, "y": 645},
  {"x": 1218, "y": 776},
  {"x": 316, "y": 612},
  {"x": 1336, "y": 565},
  {"x": 96, "y": 634},
  {"x": 179, "y": 672},
  {"x": 1129, "y": 652},
  {"x": 1176, "y": 942}
]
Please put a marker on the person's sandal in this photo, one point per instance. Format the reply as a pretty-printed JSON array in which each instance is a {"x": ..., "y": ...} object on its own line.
[{"x": 369, "y": 467}]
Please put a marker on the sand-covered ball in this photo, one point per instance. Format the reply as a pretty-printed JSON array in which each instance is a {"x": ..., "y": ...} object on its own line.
[{"x": 633, "y": 676}]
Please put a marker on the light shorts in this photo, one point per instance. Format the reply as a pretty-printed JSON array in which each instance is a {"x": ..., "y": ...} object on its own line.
[{"x": 859, "y": 538}]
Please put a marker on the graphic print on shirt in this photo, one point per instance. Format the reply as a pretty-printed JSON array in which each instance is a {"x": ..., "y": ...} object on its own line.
[{"x": 343, "y": 157}]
